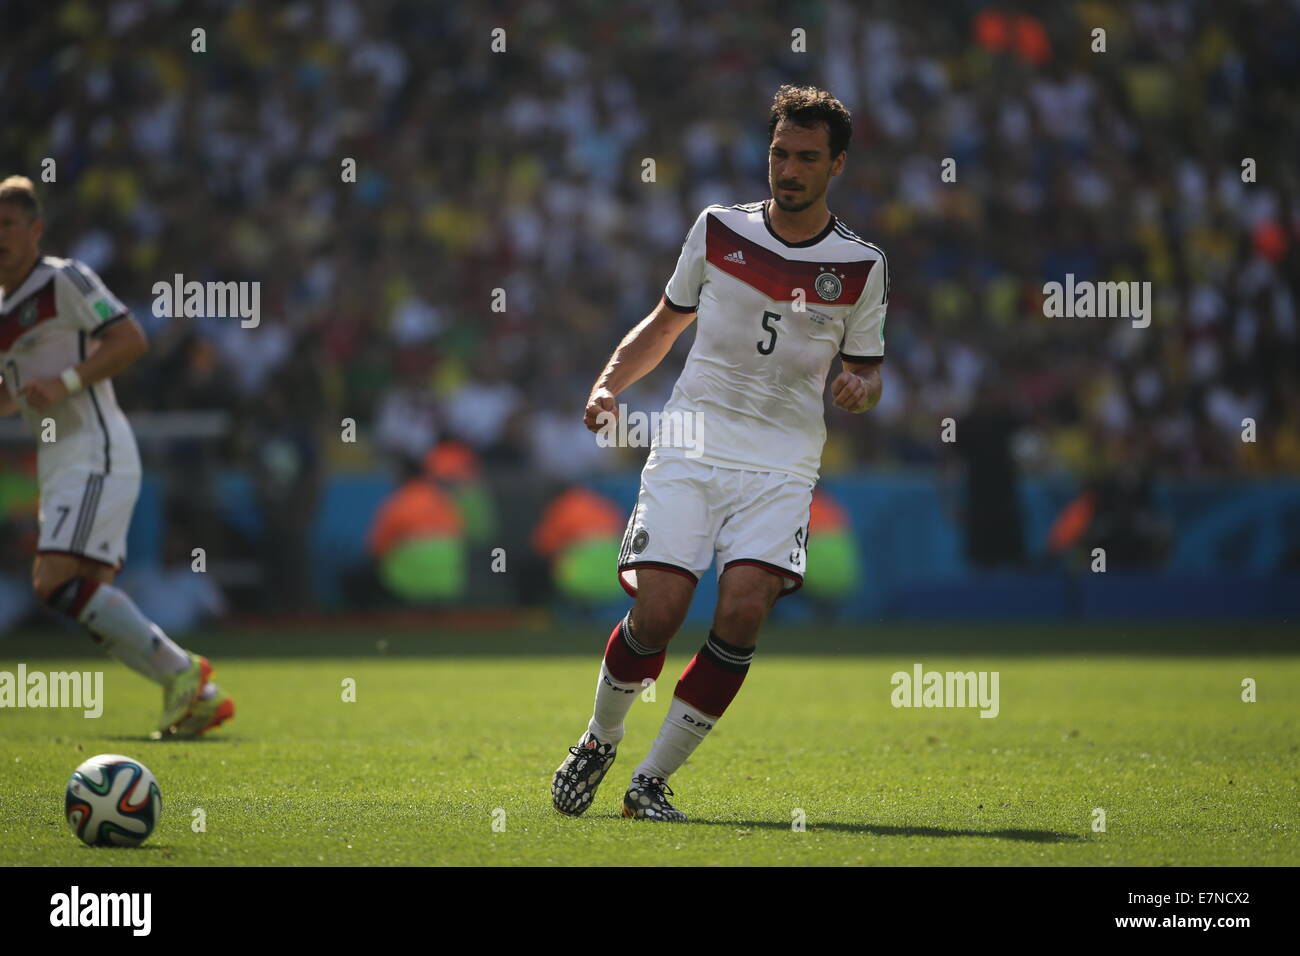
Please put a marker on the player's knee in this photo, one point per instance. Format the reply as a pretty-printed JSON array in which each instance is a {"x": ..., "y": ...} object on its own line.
[
  {"x": 655, "y": 624},
  {"x": 739, "y": 617}
]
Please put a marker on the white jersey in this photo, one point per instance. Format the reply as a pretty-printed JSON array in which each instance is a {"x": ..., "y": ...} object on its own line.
[
  {"x": 771, "y": 317},
  {"x": 48, "y": 324}
]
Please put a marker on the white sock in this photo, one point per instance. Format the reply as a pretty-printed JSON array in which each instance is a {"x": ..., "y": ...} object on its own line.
[
  {"x": 683, "y": 729},
  {"x": 614, "y": 698},
  {"x": 130, "y": 637}
]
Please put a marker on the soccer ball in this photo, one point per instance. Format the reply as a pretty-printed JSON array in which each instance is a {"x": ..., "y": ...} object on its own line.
[{"x": 113, "y": 801}]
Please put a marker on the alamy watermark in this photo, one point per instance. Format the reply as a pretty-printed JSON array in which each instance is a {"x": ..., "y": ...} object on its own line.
[
  {"x": 922, "y": 688},
  {"x": 218, "y": 300},
  {"x": 636, "y": 429},
  {"x": 1099, "y": 300},
  {"x": 129, "y": 910},
  {"x": 80, "y": 689}
]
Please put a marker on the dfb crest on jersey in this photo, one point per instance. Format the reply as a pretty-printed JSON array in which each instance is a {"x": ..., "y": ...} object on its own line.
[
  {"x": 27, "y": 314},
  {"x": 640, "y": 540},
  {"x": 828, "y": 286}
]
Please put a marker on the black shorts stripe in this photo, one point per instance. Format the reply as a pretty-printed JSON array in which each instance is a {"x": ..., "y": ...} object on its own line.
[
  {"x": 99, "y": 412},
  {"x": 658, "y": 566},
  {"x": 86, "y": 514},
  {"x": 81, "y": 508},
  {"x": 625, "y": 548},
  {"x": 108, "y": 444},
  {"x": 92, "y": 513}
]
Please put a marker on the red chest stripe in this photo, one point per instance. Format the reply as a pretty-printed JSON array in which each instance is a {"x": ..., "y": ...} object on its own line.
[
  {"x": 776, "y": 276},
  {"x": 31, "y": 312}
]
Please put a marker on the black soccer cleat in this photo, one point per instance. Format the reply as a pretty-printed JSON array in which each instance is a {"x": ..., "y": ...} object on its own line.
[
  {"x": 578, "y": 777},
  {"x": 647, "y": 799}
]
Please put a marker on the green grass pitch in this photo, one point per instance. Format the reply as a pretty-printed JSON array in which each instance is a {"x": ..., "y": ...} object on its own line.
[{"x": 451, "y": 733}]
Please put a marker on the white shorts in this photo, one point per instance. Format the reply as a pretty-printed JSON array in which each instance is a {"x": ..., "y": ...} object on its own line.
[
  {"x": 88, "y": 514},
  {"x": 688, "y": 511}
]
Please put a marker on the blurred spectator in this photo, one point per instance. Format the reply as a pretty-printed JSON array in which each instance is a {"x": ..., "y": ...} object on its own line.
[
  {"x": 18, "y": 528},
  {"x": 417, "y": 541},
  {"x": 477, "y": 172},
  {"x": 456, "y": 469},
  {"x": 991, "y": 515},
  {"x": 833, "y": 546},
  {"x": 1116, "y": 514},
  {"x": 579, "y": 535},
  {"x": 174, "y": 596},
  {"x": 288, "y": 471}
]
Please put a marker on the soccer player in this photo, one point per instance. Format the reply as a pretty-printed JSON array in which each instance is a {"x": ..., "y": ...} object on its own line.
[
  {"x": 780, "y": 288},
  {"x": 63, "y": 336}
]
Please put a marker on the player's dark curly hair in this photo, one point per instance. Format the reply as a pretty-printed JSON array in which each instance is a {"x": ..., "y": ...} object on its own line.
[{"x": 808, "y": 106}]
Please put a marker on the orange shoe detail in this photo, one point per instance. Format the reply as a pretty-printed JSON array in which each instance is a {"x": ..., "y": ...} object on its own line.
[{"x": 225, "y": 710}]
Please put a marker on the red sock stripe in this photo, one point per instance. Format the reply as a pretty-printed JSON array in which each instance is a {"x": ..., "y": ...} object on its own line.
[
  {"x": 86, "y": 588},
  {"x": 72, "y": 595},
  {"x": 707, "y": 687},
  {"x": 629, "y": 667}
]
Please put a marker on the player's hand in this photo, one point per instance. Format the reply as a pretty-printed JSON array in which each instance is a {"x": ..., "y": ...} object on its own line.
[
  {"x": 44, "y": 392},
  {"x": 601, "y": 411},
  {"x": 849, "y": 392}
]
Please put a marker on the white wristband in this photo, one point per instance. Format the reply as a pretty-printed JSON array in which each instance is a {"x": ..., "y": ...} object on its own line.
[{"x": 71, "y": 380}]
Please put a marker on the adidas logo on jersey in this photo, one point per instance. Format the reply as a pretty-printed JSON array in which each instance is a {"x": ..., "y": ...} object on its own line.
[{"x": 736, "y": 257}]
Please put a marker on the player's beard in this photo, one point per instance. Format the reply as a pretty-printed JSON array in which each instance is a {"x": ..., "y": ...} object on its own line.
[{"x": 799, "y": 206}]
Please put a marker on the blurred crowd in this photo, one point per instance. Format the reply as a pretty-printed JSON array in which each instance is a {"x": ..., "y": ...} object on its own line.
[{"x": 521, "y": 171}]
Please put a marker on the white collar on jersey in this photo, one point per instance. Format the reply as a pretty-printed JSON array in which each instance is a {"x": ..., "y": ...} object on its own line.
[
  {"x": 25, "y": 288},
  {"x": 830, "y": 226}
]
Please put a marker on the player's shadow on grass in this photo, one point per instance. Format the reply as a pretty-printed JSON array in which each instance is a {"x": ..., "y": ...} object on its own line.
[
  {"x": 147, "y": 739},
  {"x": 1028, "y": 836}
]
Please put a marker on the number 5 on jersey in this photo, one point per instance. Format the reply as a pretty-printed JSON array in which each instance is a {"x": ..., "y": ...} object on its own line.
[{"x": 765, "y": 348}]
